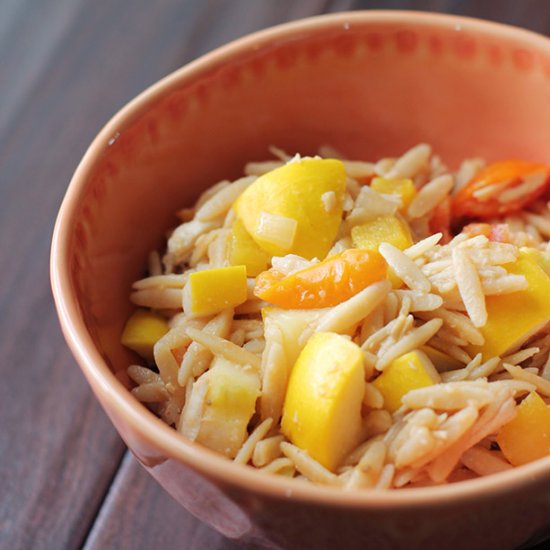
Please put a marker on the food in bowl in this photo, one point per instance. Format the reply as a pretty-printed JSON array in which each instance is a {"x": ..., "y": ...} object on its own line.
[{"x": 359, "y": 324}]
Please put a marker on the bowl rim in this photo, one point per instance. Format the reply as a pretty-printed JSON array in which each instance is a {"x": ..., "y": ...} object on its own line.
[{"x": 143, "y": 422}]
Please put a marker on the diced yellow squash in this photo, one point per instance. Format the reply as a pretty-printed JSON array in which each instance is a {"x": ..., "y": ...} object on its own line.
[
  {"x": 527, "y": 436},
  {"x": 384, "y": 229},
  {"x": 230, "y": 404},
  {"x": 513, "y": 318},
  {"x": 322, "y": 409},
  {"x": 542, "y": 258},
  {"x": 295, "y": 325},
  {"x": 409, "y": 372},
  {"x": 141, "y": 332},
  {"x": 403, "y": 188},
  {"x": 243, "y": 250},
  {"x": 441, "y": 361},
  {"x": 297, "y": 192},
  {"x": 212, "y": 290}
]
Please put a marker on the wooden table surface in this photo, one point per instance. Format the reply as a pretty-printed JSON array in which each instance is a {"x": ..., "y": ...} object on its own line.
[{"x": 66, "y": 478}]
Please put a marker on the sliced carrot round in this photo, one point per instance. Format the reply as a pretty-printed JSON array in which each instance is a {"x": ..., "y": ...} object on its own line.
[{"x": 491, "y": 193}]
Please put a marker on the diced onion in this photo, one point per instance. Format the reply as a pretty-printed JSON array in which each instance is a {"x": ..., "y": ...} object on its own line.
[{"x": 277, "y": 230}]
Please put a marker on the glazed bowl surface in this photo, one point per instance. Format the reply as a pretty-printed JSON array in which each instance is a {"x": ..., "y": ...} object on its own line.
[{"x": 370, "y": 84}]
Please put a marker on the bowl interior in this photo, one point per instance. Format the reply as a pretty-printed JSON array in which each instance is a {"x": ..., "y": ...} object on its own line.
[{"x": 369, "y": 85}]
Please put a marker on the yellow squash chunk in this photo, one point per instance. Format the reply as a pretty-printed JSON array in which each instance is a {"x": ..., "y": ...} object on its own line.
[
  {"x": 230, "y": 404},
  {"x": 243, "y": 250},
  {"x": 441, "y": 361},
  {"x": 409, "y": 372},
  {"x": 542, "y": 258},
  {"x": 212, "y": 290},
  {"x": 513, "y": 318},
  {"x": 141, "y": 332},
  {"x": 527, "y": 436},
  {"x": 403, "y": 188},
  {"x": 384, "y": 229},
  {"x": 322, "y": 409},
  {"x": 293, "y": 328},
  {"x": 299, "y": 203}
]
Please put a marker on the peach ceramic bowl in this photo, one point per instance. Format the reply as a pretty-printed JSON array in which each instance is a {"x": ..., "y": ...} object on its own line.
[{"x": 370, "y": 84}]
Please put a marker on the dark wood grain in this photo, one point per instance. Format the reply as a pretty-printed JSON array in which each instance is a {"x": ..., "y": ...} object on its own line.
[{"x": 66, "y": 66}]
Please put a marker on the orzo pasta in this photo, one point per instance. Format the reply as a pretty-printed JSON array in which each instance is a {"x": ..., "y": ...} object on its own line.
[{"x": 377, "y": 325}]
